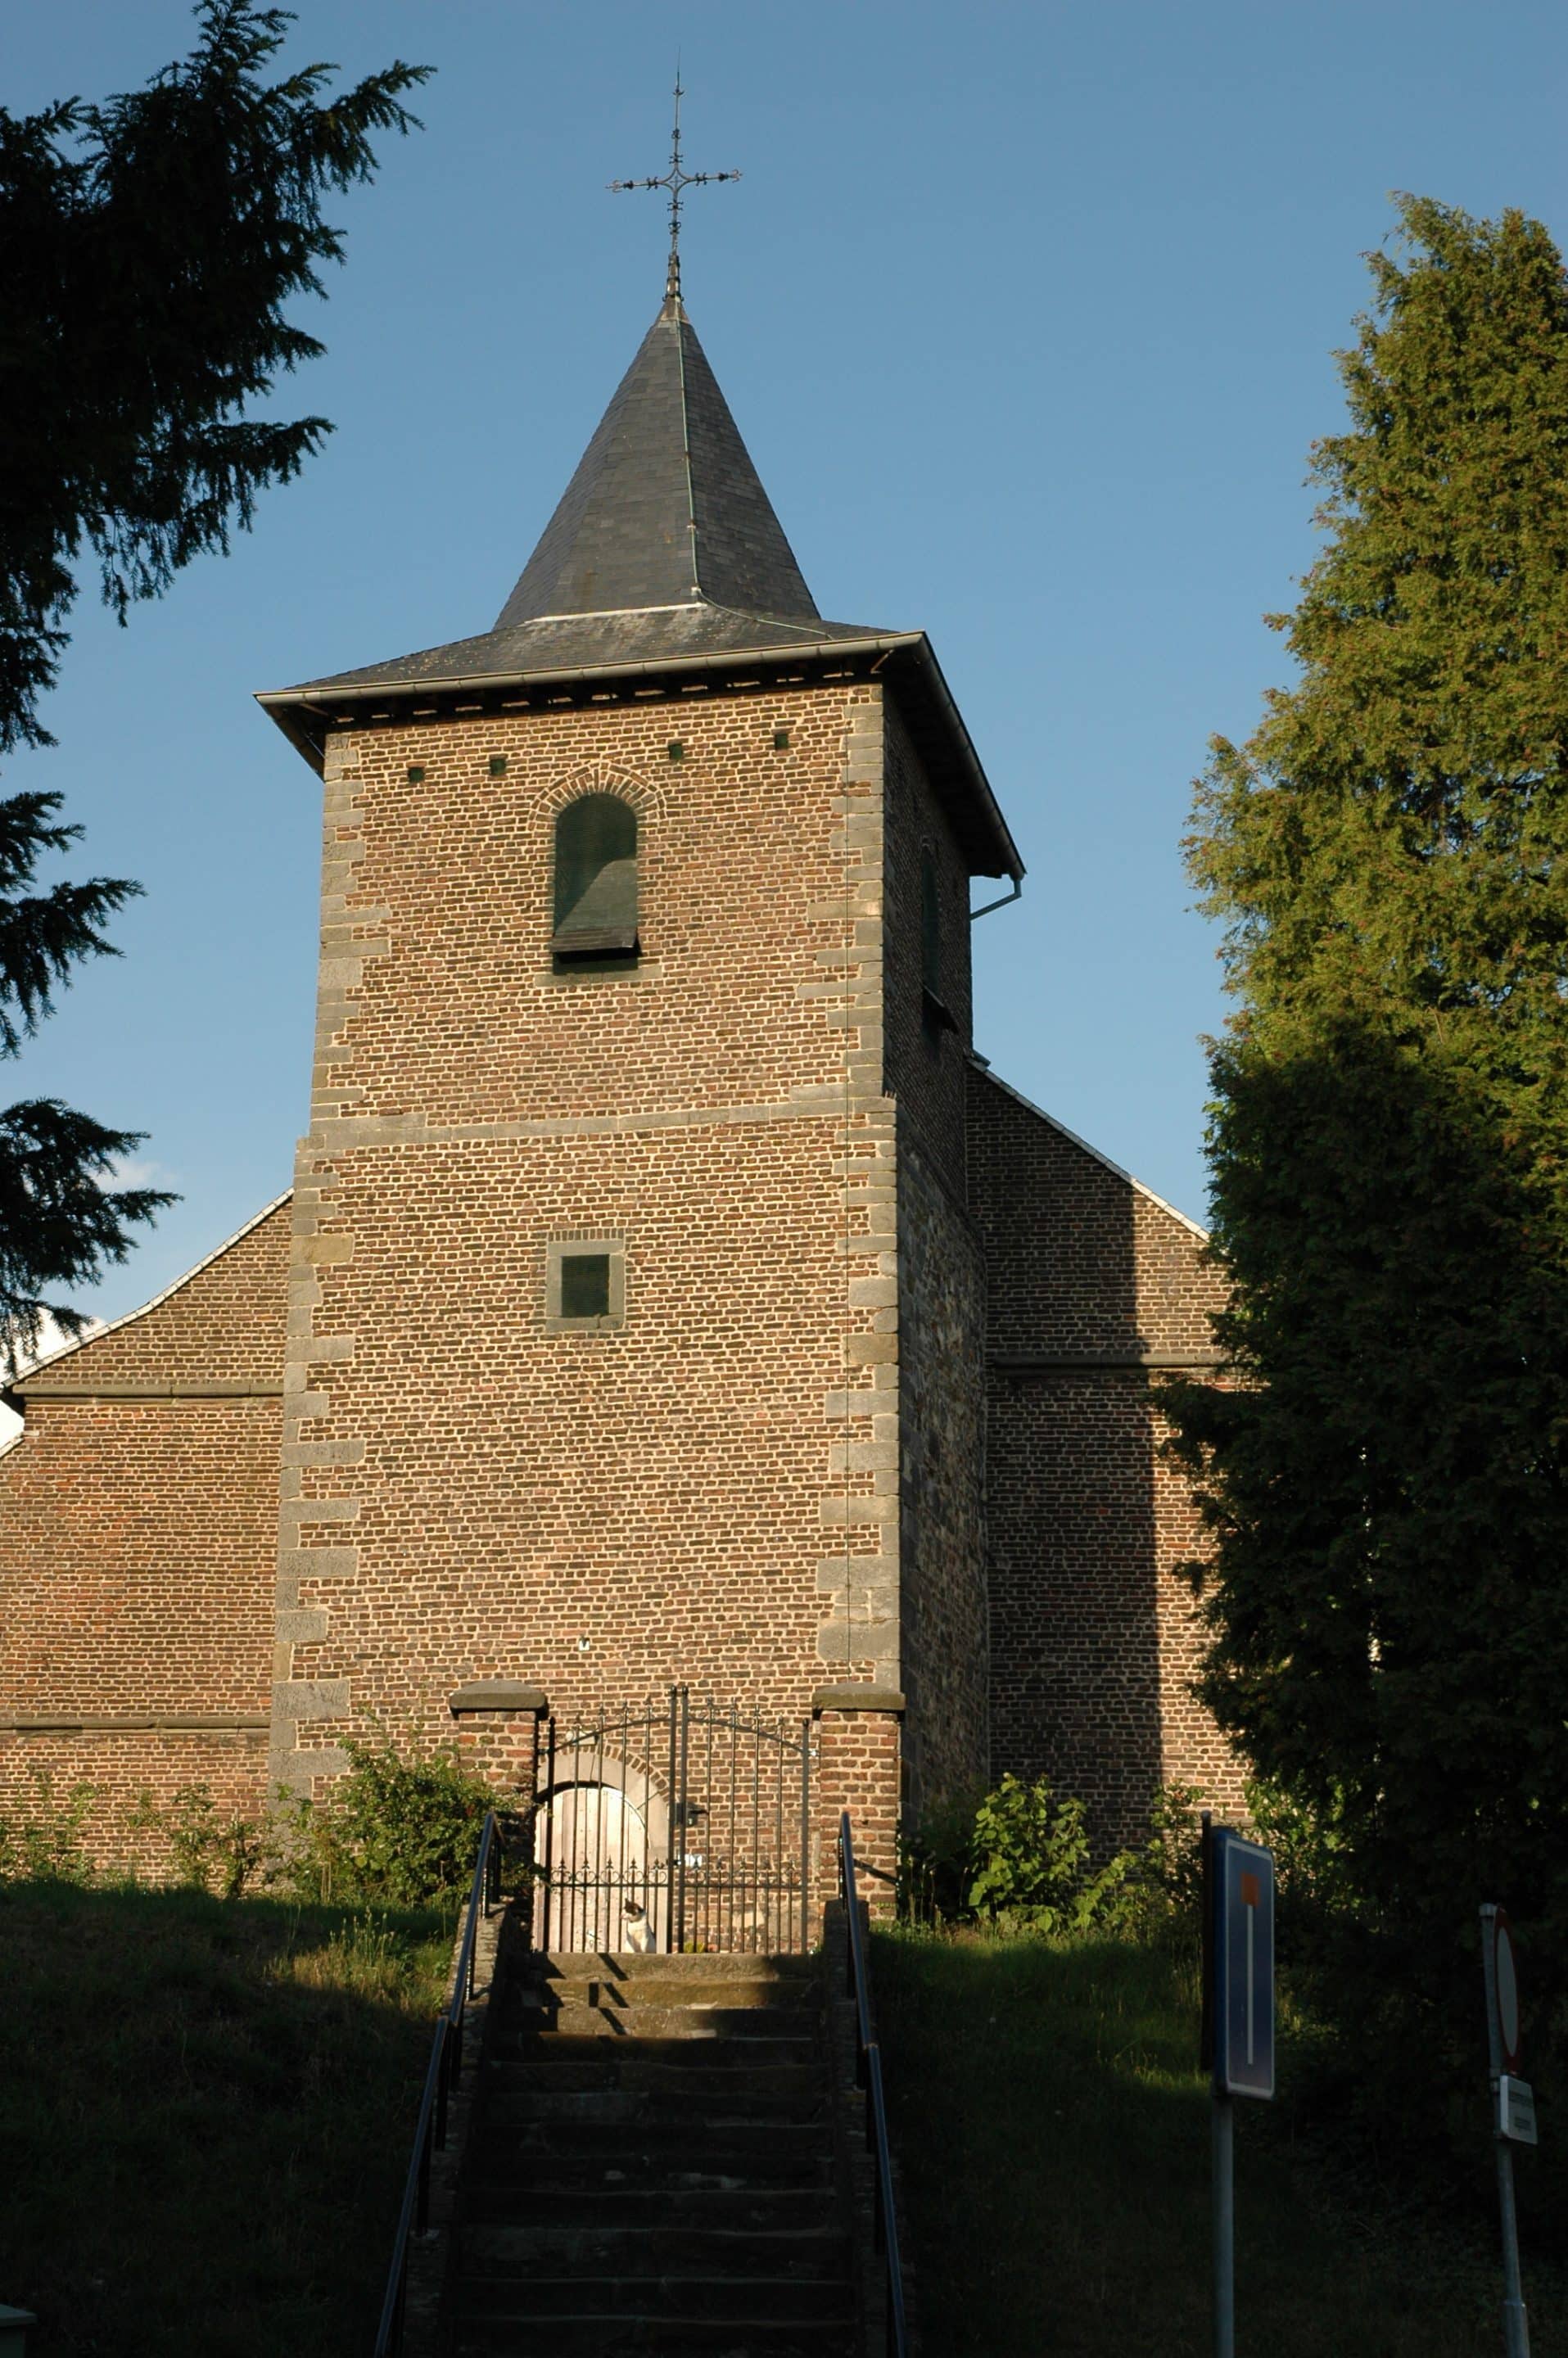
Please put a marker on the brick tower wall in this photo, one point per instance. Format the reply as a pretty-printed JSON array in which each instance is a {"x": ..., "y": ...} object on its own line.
[
  {"x": 137, "y": 1527},
  {"x": 941, "y": 1298},
  {"x": 1093, "y": 1284},
  {"x": 468, "y": 1494}
]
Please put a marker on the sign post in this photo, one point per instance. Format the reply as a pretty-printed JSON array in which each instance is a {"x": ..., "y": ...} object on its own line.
[
  {"x": 1513, "y": 2117},
  {"x": 1238, "y": 2027}
]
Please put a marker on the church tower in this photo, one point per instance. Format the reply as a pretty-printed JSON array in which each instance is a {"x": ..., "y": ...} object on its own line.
[
  {"x": 637, "y": 1318},
  {"x": 692, "y": 1376}
]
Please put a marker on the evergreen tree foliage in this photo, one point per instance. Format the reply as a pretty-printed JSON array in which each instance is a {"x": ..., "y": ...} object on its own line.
[
  {"x": 1387, "y": 1486},
  {"x": 59, "y": 1223},
  {"x": 147, "y": 247}
]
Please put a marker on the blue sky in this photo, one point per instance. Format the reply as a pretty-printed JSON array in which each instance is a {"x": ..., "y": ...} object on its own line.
[{"x": 1027, "y": 313}]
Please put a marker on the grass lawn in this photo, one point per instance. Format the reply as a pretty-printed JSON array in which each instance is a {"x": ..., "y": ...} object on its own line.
[
  {"x": 1054, "y": 2133},
  {"x": 206, "y": 2110}
]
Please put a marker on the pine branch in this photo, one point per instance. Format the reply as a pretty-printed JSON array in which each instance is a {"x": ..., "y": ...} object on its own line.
[
  {"x": 44, "y": 934},
  {"x": 149, "y": 247},
  {"x": 60, "y": 1224}
]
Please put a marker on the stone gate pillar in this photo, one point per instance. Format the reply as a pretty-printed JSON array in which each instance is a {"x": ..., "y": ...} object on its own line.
[
  {"x": 858, "y": 1769},
  {"x": 498, "y": 1723}
]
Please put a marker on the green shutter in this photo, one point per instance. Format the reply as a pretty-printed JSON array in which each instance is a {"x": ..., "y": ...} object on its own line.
[{"x": 595, "y": 879}]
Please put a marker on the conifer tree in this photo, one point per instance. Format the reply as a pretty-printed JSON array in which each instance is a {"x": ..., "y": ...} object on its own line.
[
  {"x": 59, "y": 1222},
  {"x": 147, "y": 247},
  {"x": 1387, "y": 1486}
]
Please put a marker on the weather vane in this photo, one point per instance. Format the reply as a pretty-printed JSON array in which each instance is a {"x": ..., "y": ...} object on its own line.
[{"x": 675, "y": 179}]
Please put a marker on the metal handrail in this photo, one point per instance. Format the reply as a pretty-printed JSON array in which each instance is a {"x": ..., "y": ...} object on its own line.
[
  {"x": 869, "y": 2074},
  {"x": 446, "y": 2062}
]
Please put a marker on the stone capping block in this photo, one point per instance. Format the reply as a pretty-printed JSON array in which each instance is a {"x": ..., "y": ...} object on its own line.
[
  {"x": 78, "y": 1723},
  {"x": 242, "y": 1388},
  {"x": 855, "y": 1696},
  {"x": 498, "y": 1694}
]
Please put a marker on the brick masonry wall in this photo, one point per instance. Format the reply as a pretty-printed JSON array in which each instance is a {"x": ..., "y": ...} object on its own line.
[
  {"x": 941, "y": 1305},
  {"x": 223, "y": 1323},
  {"x": 1094, "y": 1637},
  {"x": 134, "y": 1540},
  {"x": 466, "y": 1494},
  {"x": 858, "y": 1769},
  {"x": 942, "y": 1555},
  {"x": 126, "y": 1769},
  {"x": 1083, "y": 1259},
  {"x": 925, "y": 1064},
  {"x": 137, "y": 1522}
]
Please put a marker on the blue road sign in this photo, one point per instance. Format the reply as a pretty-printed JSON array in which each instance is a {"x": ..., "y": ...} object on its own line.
[{"x": 1243, "y": 1953}]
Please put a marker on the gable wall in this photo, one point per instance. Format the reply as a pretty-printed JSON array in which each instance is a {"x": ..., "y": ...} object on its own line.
[
  {"x": 137, "y": 1522},
  {"x": 1094, "y": 1640}
]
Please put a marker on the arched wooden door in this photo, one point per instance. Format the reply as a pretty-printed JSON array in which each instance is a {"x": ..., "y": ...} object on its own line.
[{"x": 599, "y": 1861}]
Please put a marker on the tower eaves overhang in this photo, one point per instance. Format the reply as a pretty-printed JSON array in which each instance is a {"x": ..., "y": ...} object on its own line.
[
  {"x": 662, "y": 571},
  {"x": 431, "y": 690}
]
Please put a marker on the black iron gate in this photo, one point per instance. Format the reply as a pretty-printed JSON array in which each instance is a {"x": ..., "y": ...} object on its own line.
[{"x": 680, "y": 1825}]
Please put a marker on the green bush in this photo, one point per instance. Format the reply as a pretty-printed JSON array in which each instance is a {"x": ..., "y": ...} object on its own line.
[
  {"x": 1170, "y": 1866},
  {"x": 210, "y": 1853},
  {"x": 43, "y": 1844},
  {"x": 1030, "y": 1853},
  {"x": 1312, "y": 1859},
  {"x": 1018, "y": 1859},
  {"x": 401, "y": 1830},
  {"x": 934, "y": 1868}
]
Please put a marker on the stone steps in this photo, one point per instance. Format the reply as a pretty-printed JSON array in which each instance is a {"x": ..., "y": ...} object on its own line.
[
  {"x": 695, "y": 1981},
  {"x": 796, "y": 2150},
  {"x": 656, "y": 2246},
  {"x": 663, "y": 2069},
  {"x": 737, "y": 2104},
  {"x": 598, "y": 2336},
  {"x": 726, "y": 2209},
  {"x": 653, "y": 2165},
  {"x": 615, "y": 2018},
  {"x": 688, "y": 2291}
]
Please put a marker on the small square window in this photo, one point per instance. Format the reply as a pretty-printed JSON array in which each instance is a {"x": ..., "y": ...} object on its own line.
[
  {"x": 676, "y": 750},
  {"x": 781, "y": 740},
  {"x": 498, "y": 765},
  {"x": 416, "y": 774},
  {"x": 585, "y": 1285}
]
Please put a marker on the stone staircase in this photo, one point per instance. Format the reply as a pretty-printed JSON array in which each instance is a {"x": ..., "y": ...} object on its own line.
[{"x": 653, "y": 2164}]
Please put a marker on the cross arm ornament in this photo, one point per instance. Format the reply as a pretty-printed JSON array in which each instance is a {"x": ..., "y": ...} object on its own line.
[{"x": 677, "y": 180}]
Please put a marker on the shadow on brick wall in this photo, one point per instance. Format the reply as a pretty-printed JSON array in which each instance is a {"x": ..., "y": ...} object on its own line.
[{"x": 1087, "y": 1276}]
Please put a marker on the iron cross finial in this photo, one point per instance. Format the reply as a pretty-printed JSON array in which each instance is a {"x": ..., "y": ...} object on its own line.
[{"x": 675, "y": 179}]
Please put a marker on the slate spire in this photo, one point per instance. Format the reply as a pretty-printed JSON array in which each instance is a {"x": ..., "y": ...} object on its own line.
[
  {"x": 663, "y": 559},
  {"x": 665, "y": 508},
  {"x": 664, "y": 549}
]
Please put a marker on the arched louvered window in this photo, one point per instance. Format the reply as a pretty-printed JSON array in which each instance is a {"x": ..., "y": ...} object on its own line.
[{"x": 596, "y": 881}]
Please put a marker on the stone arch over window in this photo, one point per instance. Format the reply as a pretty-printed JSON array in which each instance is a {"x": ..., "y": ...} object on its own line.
[{"x": 595, "y": 880}]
